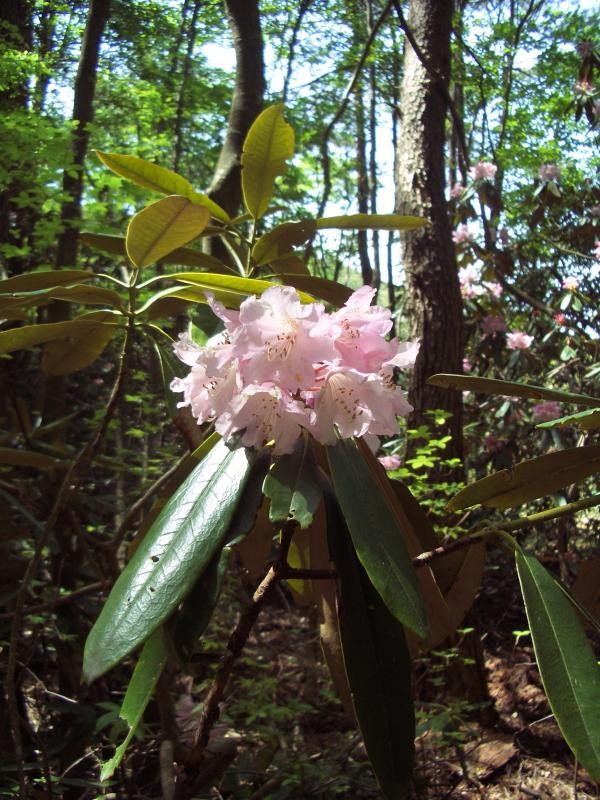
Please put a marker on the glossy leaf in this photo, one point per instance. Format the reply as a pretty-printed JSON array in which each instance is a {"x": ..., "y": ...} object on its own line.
[
  {"x": 330, "y": 291},
  {"x": 377, "y": 666},
  {"x": 268, "y": 145},
  {"x": 159, "y": 179},
  {"x": 172, "y": 555},
  {"x": 292, "y": 486},
  {"x": 567, "y": 664},
  {"x": 34, "y": 281},
  {"x": 27, "y": 458},
  {"x": 471, "y": 383},
  {"x": 363, "y": 222},
  {"x": 289, "y": 264},
  {"x": 282, "y": 239},
  {"x": 183, "y": 256},
  {"x": 81, "y": 346},
  {"x": 229, "y": 289},
  {"x": 139, "y": 693},
  {"x": 162, "y": 227},
  {"x": 88, "y": 295},
  {"x": 587, "y": 420},
  {"x": 530, "y": 479},
  {"x": 378, "y": 541},
  {"x": 30, "y": 335}
]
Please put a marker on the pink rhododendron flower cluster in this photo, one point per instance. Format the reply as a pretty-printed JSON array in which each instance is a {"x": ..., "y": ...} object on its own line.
[
  {"x": 457, "y": 190},
  {"x": 390, "y": 462},
  {"x": 549, "y": 172},
  {"x": 518, "y": 340},
  {"x": 544, "y": 412},
  {"x": 492, "y": 325},
  {"x": 466, "y": 365},
  {"x": 483, "y": 170},
  {"x": 583, "y": 87},
  {"x": 597, "y": 249},
  {"x": 463, "y": 235},
  {"x": 281, "y": 366},
  {"x": 570, "y": 284}
]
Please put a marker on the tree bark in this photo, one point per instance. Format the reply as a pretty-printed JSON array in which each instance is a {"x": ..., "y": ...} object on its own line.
[
  {"x": 433, "y": 300},
  {"x": 244, "y": 21}
]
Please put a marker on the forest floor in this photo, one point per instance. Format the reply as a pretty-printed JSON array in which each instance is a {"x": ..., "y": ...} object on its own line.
[{"x": 293, "y": 739}]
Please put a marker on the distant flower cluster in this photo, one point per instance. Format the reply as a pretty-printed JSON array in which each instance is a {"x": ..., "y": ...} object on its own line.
[
  {"x": 549, "y": 172},
  {"x": 483, "y": 171},
  {"x": 457, "y": 190},
  {"x": 463, "y": 235},
  {"x": 518, "y": 340},
  {"x": 570, "y": 284},
  {"x": 544, "y": 412},
  {"x": 471, "y": 285},
  {"x": 491, "y": 325},
  {"x": 281, "y": 366}
]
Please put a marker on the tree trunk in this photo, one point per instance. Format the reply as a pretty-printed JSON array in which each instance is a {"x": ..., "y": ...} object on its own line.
[
  {"x": 433, "y": 300},
  {"x": 244, "y": 21}
]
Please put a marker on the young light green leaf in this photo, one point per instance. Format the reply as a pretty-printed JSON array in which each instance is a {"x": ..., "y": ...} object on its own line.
[
  {"x": 268, "y": 145},
  {"x": 30, "y": 335},
  {"x": 567, "y": 664},
  {"x": 530, "y": 479},
  {"x": 471, "y": 383},
  {"x": 139, "y": 692},
  {"x": 162, "y": 227},
  {"x": 587, "y": 420},
  {"x": 292, "y": 486},
  {"x": 378, "y": 541},
  {"x": 159, "y": 179},
  {"x": 377, "y": 666},
  {"x": 362, "y": 222},
  {"x": 170, "y": 559}
]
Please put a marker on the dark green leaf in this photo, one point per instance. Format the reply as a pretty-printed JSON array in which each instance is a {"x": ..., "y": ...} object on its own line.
[
  {"x": 377, "y": 665},
  {"x": 470, "y": 383},
  {"x": 293, "y": 487},
  {"x": 585, "y": 420},
  {"x": 34, "y": 281},
  {"x": 566, "y": 661},
  {"x": 378, "y": 541},
  {"x": 176, "y": 550},
  {"x": 361, "y": 222},
  {"x": 530, "y": 479},
  {"x": 330, "y": 291},
  {"x": 281, "y": 240}
]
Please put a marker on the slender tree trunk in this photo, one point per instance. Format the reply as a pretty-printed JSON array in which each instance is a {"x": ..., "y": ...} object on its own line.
[
  {"x": 244, "y": 20},
  {"x": 373, "y": 177},
  {"x": 433, "y": 300},
  {"x": 362, "y": 193},
  {"x": 185, "y": 74}
]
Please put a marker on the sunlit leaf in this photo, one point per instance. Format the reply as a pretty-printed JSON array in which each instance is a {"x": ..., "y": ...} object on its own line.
[
  {"x": 30, "y": 335},
  {"x": 88, "y": 295},
  {"x": 471, "y": 383},
  {"x": 162, "y": 227},
  {"x": 361, "y": 222},
  {"x": 585, "y": 420},
  {"x": 330, "y": 291},
  {"x": 268, "y": 145},
  {"x": 567, "y": 664},
  {"x": 281, "y": 240},
  {"x": 81, "y": 345},
  {"x": 530, "y": 479},
  {"x": 33, "y": 281}
]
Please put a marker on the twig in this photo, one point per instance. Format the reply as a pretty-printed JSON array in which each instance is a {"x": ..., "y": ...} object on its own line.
[
  {"x": 236, "y": 644},
  {"x": 57, "y": 601},
  {"x": 71, "y": 482}
]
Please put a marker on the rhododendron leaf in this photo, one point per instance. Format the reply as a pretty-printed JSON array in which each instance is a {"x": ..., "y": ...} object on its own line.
[
  {"x": 34, "y": 281},
  {"x": 87, "y": 295},
  {"x": 139, "y": 693},
  {"x": 159, "y": 179},
  {"x": 170, "y": 558},
  {"x": 292, "y": 486},
  {"x": 361, "y": 222},
  {"x": 268, "y": 145},
  {"x": 81, "y": 346},
  {"x": 162, "y": 227},
  {"x": 330, "y": 291},
  {"x": 30, "y": 335},
  {"x": 530, "y": 479},
  {"x": 470, "y": 383},
  {"x": 27, "y": 458},
  {"x": 282, "y": 239},
  {"x": 567, "y": 664},
  {"x": 377, "y": 665},
  {"x": 289, "y": 264},
  {"x": 232, "y": 288},
  {"x": 170, "y": 367},
  {"x": 184, "y": 256},
  {"x": 585, "y": 420},
  {"x": 378, "y": 541}
]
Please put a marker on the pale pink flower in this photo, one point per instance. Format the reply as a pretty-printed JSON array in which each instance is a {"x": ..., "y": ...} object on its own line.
[
  {"x": 549, "y": 172},
  {"x": 492, "y": 325},
  {"x": 494, "y": 288},
  {"x": 570, "y": 284},
  {"x": 518, "y": 340},
  {"x": 483, "y": 170},
  {"x": 595, "y": 211},
  {"x": 391, "y": 462},
  {"x": 560, "y": 318},
  {"x": 457, "y": 190},
  {"x": 463, "y": 235},
  {"x": 597, "y": 249},
  {"x": 466, "y": 365},
  {"x": 583, "y": 87},
  {"x": 544, "y": 412}
]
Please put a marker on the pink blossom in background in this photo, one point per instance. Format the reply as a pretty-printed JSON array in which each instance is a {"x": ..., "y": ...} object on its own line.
[
  {"x": 595, "y": 211},
  {"x": 544, "y": 412},
  {"x": 549, "y": 172},
  {"x": 597, "y": 249},
  {"x": 483, "y": 170},
  {"x": 570, "y": 284},
  {"x": 457, "y": 190},
  {"x": 494, "y": 288},
  {"x": 463, "y": 235},
  {"x": 518, "y": 340},
  {"x": 492, "y": 325},
  {"x": 282, "y": 366},
  {"x": 560, "y": 318},
  {"x": 466, "y": 365},
  {"x": 390, "y": 462},
  {"x": 583, "y": 87}
]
